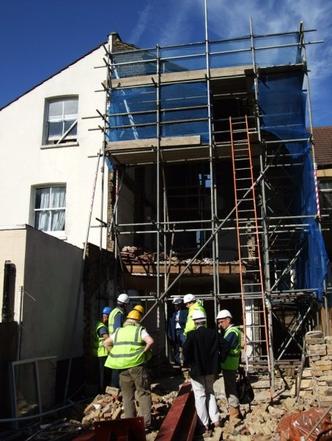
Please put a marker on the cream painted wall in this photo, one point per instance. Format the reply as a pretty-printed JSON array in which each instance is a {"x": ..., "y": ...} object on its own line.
[{"x": 24, "y": 162}]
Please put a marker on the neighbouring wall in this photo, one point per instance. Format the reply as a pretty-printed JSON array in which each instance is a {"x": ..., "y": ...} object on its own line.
[{"x": 51, "y": 284}]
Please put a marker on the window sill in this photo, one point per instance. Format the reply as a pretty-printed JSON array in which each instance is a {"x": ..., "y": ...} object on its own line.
[
  {"x": 57, "y": 146},
  {"x": 58, "y": 234}
]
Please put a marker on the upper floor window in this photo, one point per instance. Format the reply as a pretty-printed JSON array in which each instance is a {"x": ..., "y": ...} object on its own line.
[
  {"x": 50, "y": 207},
  {"x": 325, "y": 187},
  {"x": 61, "y": 121}
]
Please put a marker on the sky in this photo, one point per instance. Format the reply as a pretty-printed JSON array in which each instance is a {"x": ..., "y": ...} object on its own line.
[{"x": 40, "y": 37}]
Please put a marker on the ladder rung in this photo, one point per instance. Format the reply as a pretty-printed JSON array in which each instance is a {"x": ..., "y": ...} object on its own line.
[
  {"x": 256, "y": 342},
  {"x": 243, "y": 179},
  {"x": 243, "y": 168},
  {"x": 251, "y": 284},
  {"x": 246, "y": 211},
  {"x": 241, "y": 159}
]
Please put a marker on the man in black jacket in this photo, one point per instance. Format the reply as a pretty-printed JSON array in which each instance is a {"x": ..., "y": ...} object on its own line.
[
  {"x": 201, "y": 355},
  {"x": 176, "y": 325}
]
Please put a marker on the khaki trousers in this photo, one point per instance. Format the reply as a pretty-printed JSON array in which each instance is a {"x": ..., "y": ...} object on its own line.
[{"x": 131, "y": 380}]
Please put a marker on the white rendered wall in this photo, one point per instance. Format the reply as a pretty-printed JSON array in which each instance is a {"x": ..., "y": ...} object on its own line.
[{"x": 25, "y": 163}]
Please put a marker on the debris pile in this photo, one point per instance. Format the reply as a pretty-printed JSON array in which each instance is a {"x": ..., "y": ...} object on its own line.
[
  {"x": 104, "y": 407},
  {"x": 131, "y": 255},
  {"x": 264, "y": 421},
  {"x": 108, "y": 406}
]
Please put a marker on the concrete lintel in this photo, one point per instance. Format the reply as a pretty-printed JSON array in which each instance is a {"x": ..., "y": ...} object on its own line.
[
  {"x": 170, "y": 141},
  {"x": 174, "y": 77}
]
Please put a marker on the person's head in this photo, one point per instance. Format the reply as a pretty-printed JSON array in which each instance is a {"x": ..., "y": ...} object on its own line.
[
  {"x": 139, "y": 308},
  {"x": 134, "y": 315},
  {"x": 177, "y": 303},
  {"x": 199, "y": 318},
  {"x": 105, "y": 313},
  {"x": 189, "y": 299},
  {"x": 224, "y": 319},
  {"x": 122, "y": 300}
]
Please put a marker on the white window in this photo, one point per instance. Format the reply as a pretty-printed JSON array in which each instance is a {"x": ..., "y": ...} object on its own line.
[
  {"x": 61, "y": 121},
  {"x": 50, "y": 208},
  {"x": 325, "y": 187}
]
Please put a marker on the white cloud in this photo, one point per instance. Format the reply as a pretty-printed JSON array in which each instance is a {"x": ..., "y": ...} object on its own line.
[{"x": 142, "y": 24}]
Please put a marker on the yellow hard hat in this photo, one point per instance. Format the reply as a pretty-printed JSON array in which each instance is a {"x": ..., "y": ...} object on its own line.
[
  {"x": 135, "y": 315},
  {"x": 139, "y": 308}
]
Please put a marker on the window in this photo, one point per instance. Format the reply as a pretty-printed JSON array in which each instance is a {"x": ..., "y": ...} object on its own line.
[
  {"x": 50, "y": 207},
  {"x": 325, "y": 187},
  {"x": 61, "y": 124}
]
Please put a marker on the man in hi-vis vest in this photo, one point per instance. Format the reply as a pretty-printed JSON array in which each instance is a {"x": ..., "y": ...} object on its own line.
[
  {"x": 130, "y": 350},
  {"x": 230, "y": 353},
  {"x": 115, "y": 321},
  {"x": 192, "y": 304},
  {"x": 100, "y": 350}
]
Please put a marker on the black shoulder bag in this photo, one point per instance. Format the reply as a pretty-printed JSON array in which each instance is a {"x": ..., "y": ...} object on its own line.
[{"x": 244, "y": 389}]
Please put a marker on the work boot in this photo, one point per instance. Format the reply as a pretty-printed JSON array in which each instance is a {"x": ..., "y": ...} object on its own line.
[{"x": 234, "y": 413}]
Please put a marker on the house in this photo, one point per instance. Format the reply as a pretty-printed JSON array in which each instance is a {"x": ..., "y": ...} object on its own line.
[{"x": 49, "y": 155}]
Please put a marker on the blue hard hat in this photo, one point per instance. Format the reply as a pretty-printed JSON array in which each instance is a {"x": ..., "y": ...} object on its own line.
[{"x": 107, "y": 310}]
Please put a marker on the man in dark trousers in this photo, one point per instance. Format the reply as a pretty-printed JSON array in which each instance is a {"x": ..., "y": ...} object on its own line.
[
  {"x": 202, "y": 356},
  {"x": 176, "y": 326},
  {"x": 230, "y": 353}
]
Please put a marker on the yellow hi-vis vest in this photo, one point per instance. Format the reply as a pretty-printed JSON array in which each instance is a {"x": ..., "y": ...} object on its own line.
[
  {"x": 127, "y": 349},
  {"x": 111, "y": 319},
  {"x": 101, "y": 351},
  {"x": 190, "y": 325},
  {"x": 233, "y": 358}
]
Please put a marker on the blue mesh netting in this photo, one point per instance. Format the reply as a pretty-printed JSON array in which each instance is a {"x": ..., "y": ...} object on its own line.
[
  {"x": 282, "y": 107},
  {"x": 183, "y": 112},
  {"x": 270, "y": 50}
]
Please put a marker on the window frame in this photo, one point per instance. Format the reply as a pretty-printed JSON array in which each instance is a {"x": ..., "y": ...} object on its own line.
[
  {"x": 65, "y": 139},
  {"x": 49, "y": 209}
]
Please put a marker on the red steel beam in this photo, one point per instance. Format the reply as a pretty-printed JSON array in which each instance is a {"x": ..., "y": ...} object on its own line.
[{"x": 180, "y": 421}]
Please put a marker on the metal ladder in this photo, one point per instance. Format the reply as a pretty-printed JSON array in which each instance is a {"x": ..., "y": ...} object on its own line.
[{"x": 255, "y": 324}]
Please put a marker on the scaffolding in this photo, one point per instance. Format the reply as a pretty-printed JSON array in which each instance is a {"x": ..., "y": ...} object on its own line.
[{"x": 213, "y": 172}]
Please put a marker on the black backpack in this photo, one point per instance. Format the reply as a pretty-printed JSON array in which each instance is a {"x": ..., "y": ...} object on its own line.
[{"x": 245, "y": 391}]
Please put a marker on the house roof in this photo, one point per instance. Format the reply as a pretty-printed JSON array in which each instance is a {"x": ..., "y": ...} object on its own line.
[{"x": 323, "y": 145}]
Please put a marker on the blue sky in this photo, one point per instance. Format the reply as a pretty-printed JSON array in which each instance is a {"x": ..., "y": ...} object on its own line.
[{"x": 39, "y": 37}]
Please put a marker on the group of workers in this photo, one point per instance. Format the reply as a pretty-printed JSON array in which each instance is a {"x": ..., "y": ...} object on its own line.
[{"x": 124, "y": 346}]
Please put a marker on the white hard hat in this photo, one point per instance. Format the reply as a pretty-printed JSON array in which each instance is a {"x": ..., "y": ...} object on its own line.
[
  {"x": 176, "y": 301},
  {"x": 198, "y": 315},
  {"x": 189, "y": 298},
  {"x": 224, "y": 313},
  {"x": 123, "y": 298}
]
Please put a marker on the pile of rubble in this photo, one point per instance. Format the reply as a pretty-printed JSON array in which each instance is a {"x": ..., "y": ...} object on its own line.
[
  {"x": 109, "y": 406},
  {"x": 131, "y": 255}
]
